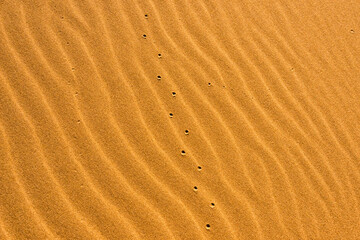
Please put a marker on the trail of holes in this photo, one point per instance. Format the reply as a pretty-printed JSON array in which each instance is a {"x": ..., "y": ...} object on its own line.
[{"x": 171, "y": 115}]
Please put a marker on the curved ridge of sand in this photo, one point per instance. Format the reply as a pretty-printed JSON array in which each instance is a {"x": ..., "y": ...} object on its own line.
[{"x": 179, "y": 120}]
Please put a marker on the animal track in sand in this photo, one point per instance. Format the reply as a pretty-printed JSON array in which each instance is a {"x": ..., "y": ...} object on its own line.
[{"x": 186, "y": 131}]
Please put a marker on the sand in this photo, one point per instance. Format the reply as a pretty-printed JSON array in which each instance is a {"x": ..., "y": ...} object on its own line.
[{"x": 180, "y": 119}]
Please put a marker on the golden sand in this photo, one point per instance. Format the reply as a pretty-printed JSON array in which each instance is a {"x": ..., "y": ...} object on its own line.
[{"x": 180, "y": 119}]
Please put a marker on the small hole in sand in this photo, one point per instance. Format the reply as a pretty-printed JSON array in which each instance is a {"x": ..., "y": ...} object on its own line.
[
  {"x": 173, "y": 94},
  {"x": 186, "y": 132},
  {"x": 146, "y": 16},
  {"x": 352, "y": 31},
  {"x": 171, "y": 115},
  {"x": 183, "y": 152},
  {"x": 209, "y": 84},
  {"x": 144, "y": 35},
  {"x": 78, "y": 121},
  {"x": 212, "y": 205},
  {"x": 199, "y": 168},
  {"x": 159, "y": 55},
  {"x": 195, "y": 188},
  {"x": 159, "y": 77},
  {"x": 207, "y": 226}
]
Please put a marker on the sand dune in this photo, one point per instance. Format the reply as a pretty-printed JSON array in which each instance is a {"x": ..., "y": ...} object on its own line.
[{"x": 179, "y": 119}]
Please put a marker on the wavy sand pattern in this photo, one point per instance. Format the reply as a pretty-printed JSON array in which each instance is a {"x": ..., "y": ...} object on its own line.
[{"x": 179, "y": 119}]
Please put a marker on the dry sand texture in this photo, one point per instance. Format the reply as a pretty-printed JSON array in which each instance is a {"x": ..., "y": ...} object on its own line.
[{"x": 246, "y": 126}]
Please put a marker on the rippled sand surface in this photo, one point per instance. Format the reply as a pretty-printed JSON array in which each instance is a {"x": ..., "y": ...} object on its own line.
[{"x": 176, "y": 119}]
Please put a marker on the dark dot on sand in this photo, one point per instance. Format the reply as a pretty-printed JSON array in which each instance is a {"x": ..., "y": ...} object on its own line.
[
  {"x": 171, "y": 115},
  {"x": 186, "y": 132},
  {"x": 146, "y": 16},
  {"x": 213, "y": 204},
  {"x": 195, "y": 188},
  {"x": 158, "y": 77},
  {"x": 183, "y": 152},
  {"x": 144, "y": 35},
  {"x": 352, "y": 31},
  {"x": 199, "y": 168},
  {"x": 159, "y": 55},
  {"x": 209, "y": 84},
  {"x": 207, "y": 226},
  {"x": 174, "y": 94}
]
